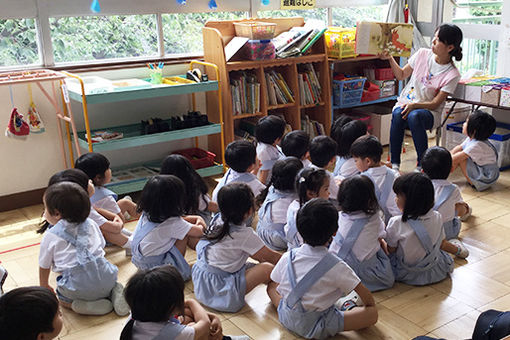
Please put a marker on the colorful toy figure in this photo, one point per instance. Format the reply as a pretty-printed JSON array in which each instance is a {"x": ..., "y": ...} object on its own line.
[
  {"x": 34, "y": 120},
  {"x": 17, "y": 127}
]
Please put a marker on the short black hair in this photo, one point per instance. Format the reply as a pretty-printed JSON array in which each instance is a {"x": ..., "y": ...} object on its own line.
[
  {"x": 317, "y": 221},
  {"x": 154, "y": 294},
  {"x": 367, "y": 146},
  {"x": 451, "y": 34},
  {"x": 26, "y": 312},
  {"x": 240, "y": 155},
  {"x": 357, "y": 193},
  {"x": 418, "y": 191},
  {"x": 322, "y": 150},
  {"x": 162, "y": 197},
  {"x": 349, "y": 132},
  {"x": 269, "y": 129},
  {"x": 309, "y": 179},
  {"x": 93, "y": 164},
  {"x": 69, "y": 199},
  {"x": 336, "y": 127},
  {"x": 296, "y": 143},
  {"x": 283, "y": 176},
  {"x": 71, "y": 175},
  {"x": 480, "y": 125},
  {"x": 437, "y": 162}
]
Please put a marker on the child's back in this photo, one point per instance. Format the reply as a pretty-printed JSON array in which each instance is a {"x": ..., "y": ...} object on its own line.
[{"x": 269, "y": 132}]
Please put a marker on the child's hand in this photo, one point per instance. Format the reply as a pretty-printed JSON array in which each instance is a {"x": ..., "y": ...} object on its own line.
[
  {"x": 200, "y": 222},
  {"x": 384, "y": 246},
  {"x": 407, "y": 108},
  {"x": 215, "y": 329},
  {"x": 117, "y": 219}
]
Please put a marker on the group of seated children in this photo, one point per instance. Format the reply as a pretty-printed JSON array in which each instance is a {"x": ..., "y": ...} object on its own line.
[{"x": 357, "y": 229}]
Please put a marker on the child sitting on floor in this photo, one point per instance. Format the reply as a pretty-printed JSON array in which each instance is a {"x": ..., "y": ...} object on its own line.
[
  {"x": 241, "y": 157},
  {"x": 156, "y": 296},
  {"x": 309, "y": 280},
  {"x": 345, "y": 131},
  {"x": 416, "y": 238},
  {"x": 73, "y": 247},
  {"x": 322, "y": 154},
  {"x": 437, "y": 163},
  {"x": 310, "y": 183},
  {"x": 163, "y": 231},
  {"x": 297, "y": 143},
  {"x": 367, "y": 152},
  {"x": 269, "y": 133},
  {"x": 97, "y": 167},
  {"x": 276, "y": 200},
  {"x": 359, "y": 240},
  {"x": 221, "y": 276},
  {"x": 476, "y": 156},
  {"x": 30, "y": 313}
]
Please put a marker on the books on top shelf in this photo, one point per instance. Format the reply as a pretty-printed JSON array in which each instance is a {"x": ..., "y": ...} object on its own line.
[
  {"x": 312, "y": 127},
  {"x": 245, "y": 91},
  {"x": 309, "y": 86},
  {"x": 298, "y": 40},
  {"x": 278, "y": 91}
]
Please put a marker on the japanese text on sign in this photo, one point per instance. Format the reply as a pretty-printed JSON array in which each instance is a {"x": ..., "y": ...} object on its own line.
[{"x": 297, "y": 4}]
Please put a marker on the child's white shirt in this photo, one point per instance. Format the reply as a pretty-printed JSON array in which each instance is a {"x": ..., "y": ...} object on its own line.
[
  {"x": 379, "y": 175},
  {"x": 58, "y": 254},
  {"x": 231, "y": 252},
  {"x": 267, "y": 155},
  {"x": 162, "y": 238},
  {"x": 108, "y": 203},
  {"x": 400, "y": 234},
  {"x": 367, "y": 244},
  {"x": 306, "y": 163},
  {"x": 333, "y": 187},
  {"x": 337, "y": 282},
  {"x": 348, "y": 169},
  {"x": 97, "y": 217},
  {"x": 293, "y": 209},
  {"x": 203, "y": 202},
  {"x": 279, "y": 209},
  {"x": 149, "y": 330},
  {"x": 479, "y": 152},
  {"x": 447, "y": 209},
  {"x": 255, "y": 185}
]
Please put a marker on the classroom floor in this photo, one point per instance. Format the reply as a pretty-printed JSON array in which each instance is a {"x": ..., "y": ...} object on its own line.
[{"x": 448, "y": 309}]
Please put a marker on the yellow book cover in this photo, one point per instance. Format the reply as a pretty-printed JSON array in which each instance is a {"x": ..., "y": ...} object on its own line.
[{"x": 376, "y": 37}]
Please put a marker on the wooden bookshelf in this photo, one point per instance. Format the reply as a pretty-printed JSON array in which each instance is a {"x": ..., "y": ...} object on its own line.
[{"x": 217, "y": 34}]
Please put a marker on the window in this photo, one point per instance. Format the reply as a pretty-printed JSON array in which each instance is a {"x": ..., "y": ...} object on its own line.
[
  {"x": 103, "y": 37},
  {"x": 18, "y": 42},
  {"x": 349, "y": 16},
  {"x": 182, "y": 33},
  {"x": 474, "y": 12},
  {"x": 480, "y": 55},
  {"x": 317, "y": 13}
]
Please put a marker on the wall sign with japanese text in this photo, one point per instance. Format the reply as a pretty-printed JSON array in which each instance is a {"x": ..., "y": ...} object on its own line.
[{"x": 297, "y": 4}]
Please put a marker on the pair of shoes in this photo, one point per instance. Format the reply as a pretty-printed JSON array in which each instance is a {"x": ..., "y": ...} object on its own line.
[
  {"x": 351, "y": 300},
  {"x": 462, "y": 251},
  {"x": 464, "y": 217},
  {"x": 3, "y": 277},
  {"x": 154, "y": 125},
  {"x": 96, "y": 307},
  {"x": 119, "y": 303}
]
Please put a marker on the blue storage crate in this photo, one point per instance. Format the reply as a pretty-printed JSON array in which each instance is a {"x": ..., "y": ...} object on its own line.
[{"x": 348, "y": 92}]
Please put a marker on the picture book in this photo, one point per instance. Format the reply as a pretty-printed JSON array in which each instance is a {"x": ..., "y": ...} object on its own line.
[{"x": 376, "y": 37}]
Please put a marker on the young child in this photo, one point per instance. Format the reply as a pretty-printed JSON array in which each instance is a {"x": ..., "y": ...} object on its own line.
[
  {"x": 269, "y": 133},
  {"x": 367, "y": 152},
  {"x": 97, "y": 167},
  {"x": 112, "y": 231},
  {"x": 155, "y": 296},
  {"x": 297, "y": 143},
  {"x": 163, "y": 232},
  {"x": 30, "y": 313},
  {"x": 197, "y": 200},
  {"x": 416, "y": 237},
  {"x": 322, "y": 154},
  {"x": 241, "y": 157},
  {"x": 345, "y": 131},
  {"x": 276, "y": 200},
  {"x": 476, "y": 156},
  {"x": 359, "y": 240},
  {"x": 309, "y": 280},
  {"x": 74, "y": 248},
  {"x": 310, "y": 183},
  {"x": 221, "y": 276},
  {"x": 437, "y": 163}
]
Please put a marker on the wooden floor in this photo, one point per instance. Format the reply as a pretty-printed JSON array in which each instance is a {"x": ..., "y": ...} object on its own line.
[{"x": 447, "y": 309}]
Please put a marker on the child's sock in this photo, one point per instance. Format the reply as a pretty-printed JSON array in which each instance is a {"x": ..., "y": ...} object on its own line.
[
  {"x": 126, "y": 232},
  {"x": 462, "y": 251},
  {"x": 97, "y": 307},
  {"x": 119, "y": 303}
]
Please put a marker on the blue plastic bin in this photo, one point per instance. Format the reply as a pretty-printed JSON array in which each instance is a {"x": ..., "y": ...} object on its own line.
[{"x": 348, "y": 92}]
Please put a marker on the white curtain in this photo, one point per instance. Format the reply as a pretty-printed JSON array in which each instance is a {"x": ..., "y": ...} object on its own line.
[{"x": 396, "y": 14}]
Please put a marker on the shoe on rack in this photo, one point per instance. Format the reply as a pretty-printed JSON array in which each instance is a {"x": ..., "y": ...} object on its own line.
[{"x": 462, "y": 251}]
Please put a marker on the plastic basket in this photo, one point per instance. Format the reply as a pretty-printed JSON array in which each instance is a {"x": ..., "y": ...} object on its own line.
[
  {"x": 348, "y": 92},
  {"x": 199, "y": 158},
  {"x": 341, "y": 42},
  {"x": 255, "y": 30}
]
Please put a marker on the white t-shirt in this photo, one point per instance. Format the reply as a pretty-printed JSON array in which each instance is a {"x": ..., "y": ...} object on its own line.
[
  {"x": 97, "y": 217},
  {"x": 162, "y": 238},
  {"x": 367, "y": 244},
  {"x": 337, "y": 282},
  {"x": 447, "y": 209},
  {"x": 348, "y": 169},
  {"x": 306, "y": 163},
  {"x": 279, "y": 209},
  {"x": 149, "y": 330},
  {"x": 400, "y": 234},
  {"x": 255, "y": 185},
  {"x": 292, "y": 213},
  {"x": 108, "y": 203},
  {"x": 479, "y": 152},
  {"x": 268, "y": 154},
  {"x": 230, "y": 254},
  {"x": 203, "y": 202},
  {"x": 379, "y": 175},
  {"x": 57, "y": 254}
]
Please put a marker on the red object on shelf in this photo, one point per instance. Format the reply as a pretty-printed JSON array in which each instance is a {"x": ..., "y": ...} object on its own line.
[
  {"x": 371, "y": 92},
  {"x": 199, "y": 158},
  {"x": 384, "y": 74}
]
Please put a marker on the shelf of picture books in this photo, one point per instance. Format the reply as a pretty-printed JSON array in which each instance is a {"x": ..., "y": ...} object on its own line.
[{"x": 245, "y": 128}]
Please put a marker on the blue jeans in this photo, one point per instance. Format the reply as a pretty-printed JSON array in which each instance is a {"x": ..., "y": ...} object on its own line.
[{"x": 418, "y": 121}]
